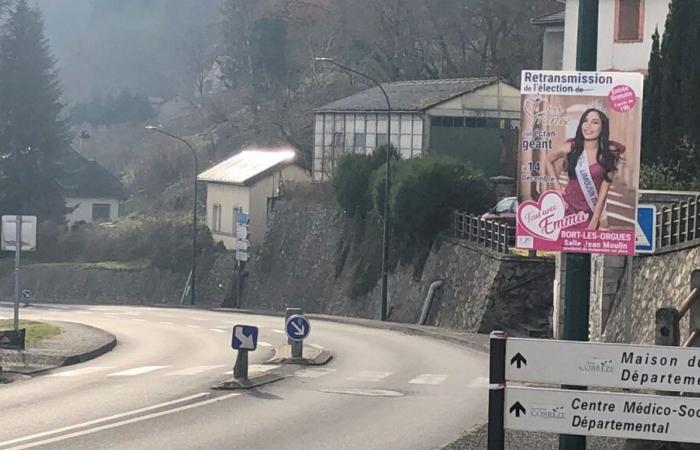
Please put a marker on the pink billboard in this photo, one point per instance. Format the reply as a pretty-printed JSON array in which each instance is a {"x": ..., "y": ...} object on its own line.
[{"x": 578, "y": 171}]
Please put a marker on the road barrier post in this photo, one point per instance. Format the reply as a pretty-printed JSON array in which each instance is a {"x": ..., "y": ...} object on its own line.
[
  {"x": 497, "y": 386},
  {"x": 240, "y": 369}
]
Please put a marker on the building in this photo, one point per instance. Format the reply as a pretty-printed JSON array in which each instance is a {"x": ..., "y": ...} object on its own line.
[
  {"x": 248, "y": 183},
  {"x": 625, "y": 28},
  {"x": 92, "y": 193},
  {"x": 465, "y": 118}
]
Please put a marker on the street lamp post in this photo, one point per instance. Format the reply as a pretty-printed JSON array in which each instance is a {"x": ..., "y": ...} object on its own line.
[
  {"x": 194, "y": 206},
  {"x": 387, "y": 230}
]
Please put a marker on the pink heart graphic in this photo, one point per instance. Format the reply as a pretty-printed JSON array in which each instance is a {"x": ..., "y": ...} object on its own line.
[{"x": 540, "y": 219}]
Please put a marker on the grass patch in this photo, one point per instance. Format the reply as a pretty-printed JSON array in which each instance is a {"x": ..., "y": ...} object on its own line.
[
  {"x": 36, "y": 331},
  {"x": 117, "y": 265}
]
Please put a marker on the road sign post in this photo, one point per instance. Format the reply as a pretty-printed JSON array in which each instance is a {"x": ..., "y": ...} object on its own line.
[
  {"x": 497, "y": 385},
  {"x": 18, "y": 237},
  {"x": 244, "y": 339},
  {"x": 297, "y": 328},
  {"x": 645, "y": 233}
]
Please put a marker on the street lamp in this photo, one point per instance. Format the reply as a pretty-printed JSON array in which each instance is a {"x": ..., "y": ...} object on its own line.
[
  {"x": 387, "y": 230},
  {"x": 194, "y": 206}
]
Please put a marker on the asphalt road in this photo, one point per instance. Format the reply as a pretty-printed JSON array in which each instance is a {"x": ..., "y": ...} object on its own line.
[{"x": 382, "y": 390}]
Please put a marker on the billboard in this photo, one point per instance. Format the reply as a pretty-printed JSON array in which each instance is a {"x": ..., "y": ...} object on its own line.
[{"x": 578, "y": 161}]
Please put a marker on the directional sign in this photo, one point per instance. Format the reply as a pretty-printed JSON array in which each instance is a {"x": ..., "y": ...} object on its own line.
[
  {"x": 27, "y": 232},
  {"x": 298, "y": 327},
  {"x": 245, "y": 337},
  {"x": 26, "y": 294},
  {"x": 645, "y": 241},
  {"x": 242, "y": 244},
  {"x": 241, "y": 217},
  {"x": 606, "y": 365},
  {"x": 241, "y": 255},
  {"x": 631, "y": 416},
  {"x": 241, "y": 231}
]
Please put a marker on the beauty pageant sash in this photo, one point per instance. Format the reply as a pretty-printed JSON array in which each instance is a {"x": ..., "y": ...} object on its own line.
[{"x": 585, "y": 180}]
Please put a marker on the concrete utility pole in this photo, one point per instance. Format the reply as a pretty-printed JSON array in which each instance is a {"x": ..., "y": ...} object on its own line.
[{"x": 578, "y": 266}]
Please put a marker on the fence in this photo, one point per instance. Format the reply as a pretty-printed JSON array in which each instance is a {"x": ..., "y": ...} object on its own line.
[
  {"x": 677, "y": 226},
  {"x": 497, "y": 236}
]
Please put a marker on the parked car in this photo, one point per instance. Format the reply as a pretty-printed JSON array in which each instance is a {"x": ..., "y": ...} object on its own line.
[{"x": 503, "y": 211}]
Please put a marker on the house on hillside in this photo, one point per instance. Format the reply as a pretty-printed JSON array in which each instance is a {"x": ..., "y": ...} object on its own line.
[
  {"x": 625, "y": 28},
  {"x": 248, "y": 183},
  {"x": 92, "y": 192},
  {"x": 464, "y": 118}
]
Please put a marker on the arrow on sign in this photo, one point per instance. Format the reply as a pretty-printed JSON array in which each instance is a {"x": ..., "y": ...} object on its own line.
[
  {"x": 518, "y": 409},
  {"x": 299, "y": 329},
  {"x": 519, "y": 360},
  {"x": 246, "y": 341}
]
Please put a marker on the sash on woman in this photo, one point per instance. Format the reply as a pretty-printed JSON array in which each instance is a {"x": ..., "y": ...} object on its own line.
[{"x": 585, "y": 180}]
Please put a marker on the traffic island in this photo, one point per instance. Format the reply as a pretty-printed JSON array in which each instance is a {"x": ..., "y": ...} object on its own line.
[
  {"x": 311, "y": 356},
  {"x": 249, "y": 382}
]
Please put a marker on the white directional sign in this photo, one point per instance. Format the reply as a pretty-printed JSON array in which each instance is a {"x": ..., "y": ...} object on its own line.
[
  {"x": 242, "y": 245},
  {"x": 631, "y": 416},
  {"x": 241, "y": 231},
  {"x": 607, "y": 365},
  {"x": 241, "y": 255},
  {"x": 9, "y": 233}
]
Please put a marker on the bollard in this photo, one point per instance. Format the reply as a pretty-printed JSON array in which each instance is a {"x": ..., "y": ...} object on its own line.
[
  {"x": 296, "y": 346},
  {"x": 240, "y": 369}
]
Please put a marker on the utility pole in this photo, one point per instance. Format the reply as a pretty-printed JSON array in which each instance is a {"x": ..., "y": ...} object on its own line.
[{"x": 577, "y": 289}]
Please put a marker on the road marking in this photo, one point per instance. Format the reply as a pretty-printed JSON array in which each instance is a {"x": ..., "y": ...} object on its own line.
[
  {"x": 201, "y": 319},
  {"x": 193, "y": 326},
  {"x": 165, "y": 323},
  {"x": 279, "y": 331},
  {"x": 83, "y": 312},
  {"x": 480, "y": 382},
  {"x": 226, "y": 327},
  {"x": 83, "y": 371},
  {"x": 139, "y": 320},
  {"x": 105, "y": 419},
  {"x": 167, "y": 316},
  {"x": 256, "y": 368},
  {"x": 428, "y": 378},
  {"x": 264, "y": 344},
  {"x": 217, "y": 330},
  {"x": 136, "y": 371},
  {"x": 123, "y": 422},
  {"x": 193, "y": 370},
  {"x": 130, "y": 313},
  {"x": 233, "y": 322},
  {"x": 312, "y": 373},
  {"x": 370, "y": 375},
  {"x": 111, "y": 315}
]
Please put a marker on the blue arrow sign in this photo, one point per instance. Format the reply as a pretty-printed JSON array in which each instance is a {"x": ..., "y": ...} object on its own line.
[
  {"x": 241, "y": 217},
  {"x": 27, "y": 294},
  {"x": 297, "y": 327},
  {"x": 645, "y": 241},
  {"x": 245, "y": 337}
]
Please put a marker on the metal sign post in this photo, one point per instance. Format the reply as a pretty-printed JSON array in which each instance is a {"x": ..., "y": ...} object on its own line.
[
  {"x": 298, "y": 328},
  {"x": 23, "y": 238},
  {"x": 244, "y": 339}
]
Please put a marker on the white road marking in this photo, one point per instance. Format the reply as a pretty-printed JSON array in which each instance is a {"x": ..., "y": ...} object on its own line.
[
  {"x": 167, "y": 316},
  {"x": 480, "y": 382},
  {"x": 226, "y": 327},
  {"x": 124, "y": 422},
  {"x": 312, "y": 373},
  {"x": 165, "y": 323},
  {"x": 262, "y": 367},
  {"x": 193, "y": 370},
  {"x": 130, "y": 313},
  {"x": 279, "y": 331},
  {"x": 428, "y": 378},
  {"x": 83, "y": 312},
  {"x": 138, "y": 320},
  {"x": 104, "y": 419},
  {"x": 193, "y": 326},
  {"x": 137, "y": 371},
  {"x": 370, "y": 375},
  {"x": 217, "y": 330},
  {"x": 230, "y": 321},
  {"x": 201, "y": 319},
  {"x": 83, "y": 371},
  {"x": 111, "y": 315},
  {"x": 264, "y": 344}
]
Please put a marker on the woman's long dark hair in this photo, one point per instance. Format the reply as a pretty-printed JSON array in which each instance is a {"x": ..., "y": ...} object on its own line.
[{"x": 606, "y": 157}]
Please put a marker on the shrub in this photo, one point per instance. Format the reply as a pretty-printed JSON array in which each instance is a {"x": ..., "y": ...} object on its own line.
[{"x": 425, "y": 191}]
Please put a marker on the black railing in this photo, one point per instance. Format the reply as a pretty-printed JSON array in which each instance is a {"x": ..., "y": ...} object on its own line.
[
  {"x": 491, "y": 234},
  {"x": 678, "y": 225}
]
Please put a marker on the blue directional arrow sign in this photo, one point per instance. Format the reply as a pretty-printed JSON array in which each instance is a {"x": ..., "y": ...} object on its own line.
[
  {"x": 645, "y": 241},
  {"x": 27, "y": 294},
  {"x": 245, "y": 337},
  {"x": 297, "y": 327}
]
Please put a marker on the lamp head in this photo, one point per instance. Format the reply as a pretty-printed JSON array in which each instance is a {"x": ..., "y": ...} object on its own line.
[{"x": 323, "y": 59}]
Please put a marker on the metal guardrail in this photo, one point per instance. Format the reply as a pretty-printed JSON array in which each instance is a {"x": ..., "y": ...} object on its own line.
[
  {"x": 678, "y": 226},
  {"x": 491, "y": 234}
]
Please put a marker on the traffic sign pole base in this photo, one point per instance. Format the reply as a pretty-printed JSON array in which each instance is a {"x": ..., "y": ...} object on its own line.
[
  {"x": 248, "y": 383},
  {"x": 312, "y": 356}
]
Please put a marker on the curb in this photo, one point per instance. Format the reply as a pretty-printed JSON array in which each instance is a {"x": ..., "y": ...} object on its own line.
[{"x": 311, "y": 356}]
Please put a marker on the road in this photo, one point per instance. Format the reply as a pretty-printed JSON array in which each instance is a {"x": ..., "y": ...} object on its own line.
[{"x": 382, "y": 390}]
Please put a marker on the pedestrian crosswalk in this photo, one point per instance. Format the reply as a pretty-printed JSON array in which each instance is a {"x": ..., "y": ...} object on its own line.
[{"x": 362, "y": 377}]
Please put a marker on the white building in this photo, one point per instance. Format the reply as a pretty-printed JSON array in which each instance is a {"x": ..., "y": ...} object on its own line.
[
  {"x": 463, "y": 118},
  {"x": 625, "y": 28},
  {"x": 247, "y": 183}
]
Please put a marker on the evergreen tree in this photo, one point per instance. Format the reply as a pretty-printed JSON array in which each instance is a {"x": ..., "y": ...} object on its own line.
[
  {"x": 32, "y": 134},
  {"x": 651, "y": 127}
]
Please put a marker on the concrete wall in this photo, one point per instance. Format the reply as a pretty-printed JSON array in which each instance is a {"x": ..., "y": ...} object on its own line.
[{"x": 84, "y": 208}]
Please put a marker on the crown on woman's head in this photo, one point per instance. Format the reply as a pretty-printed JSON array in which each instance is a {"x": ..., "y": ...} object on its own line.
[{"x": 597, "y": 104}]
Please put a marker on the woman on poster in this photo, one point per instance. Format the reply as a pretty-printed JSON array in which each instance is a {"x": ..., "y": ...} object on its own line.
[{"x": 589, "y": 184}]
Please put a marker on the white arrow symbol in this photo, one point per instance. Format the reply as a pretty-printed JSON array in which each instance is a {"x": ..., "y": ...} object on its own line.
[
  {"x": 246, "y": 341},
  {"x": 298, "y": 329}
]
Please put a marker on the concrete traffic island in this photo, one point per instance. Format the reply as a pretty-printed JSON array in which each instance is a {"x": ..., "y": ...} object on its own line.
[
  {"x": 75, "y": 344},
  {"x": 248, "y": 382},
  {"x": 311, "y": 356}
]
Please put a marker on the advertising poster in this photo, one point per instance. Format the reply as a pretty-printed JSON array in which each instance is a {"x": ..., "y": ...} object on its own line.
[{"x": 578, "y": 171}]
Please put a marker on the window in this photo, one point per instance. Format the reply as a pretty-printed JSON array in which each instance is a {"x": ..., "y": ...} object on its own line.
[
  {"x": 338, "y": 139},
  {"x": 101, "y": 212},
  {"x": 381, "y": 139},
  {"x": 359, "y": 141},
  {"x": 629, "y": 19},
  {"x": 216, "y": 218}
]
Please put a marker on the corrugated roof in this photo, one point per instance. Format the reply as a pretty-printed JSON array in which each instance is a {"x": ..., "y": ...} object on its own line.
[
  {"x": 243, "y": 167},
  {"x": 549, "y": 19},
  {"x": 407, "y": 95}
]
